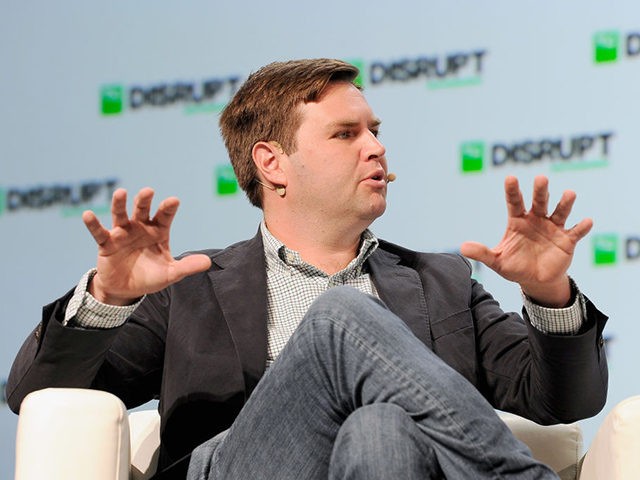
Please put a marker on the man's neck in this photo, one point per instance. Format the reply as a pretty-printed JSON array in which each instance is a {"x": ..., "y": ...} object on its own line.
[{"x": 329, "y": 249}]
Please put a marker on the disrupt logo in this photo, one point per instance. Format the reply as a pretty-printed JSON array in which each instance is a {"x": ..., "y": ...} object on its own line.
[
  {"x": 448, "y": 70},
  {"x": 609, "y": 247},
  {"x": 207, "y": 95},
  {"x": 72, "y": 198},
  {"x": 569, "y": 153},
  {"x": 608, "y": 45},
  {"x": 225, "y": 182}
]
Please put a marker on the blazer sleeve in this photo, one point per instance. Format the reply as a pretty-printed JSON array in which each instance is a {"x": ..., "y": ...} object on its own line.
[
  {"x": 126, "y": 360},
  {"x": 547, "y": 378}
]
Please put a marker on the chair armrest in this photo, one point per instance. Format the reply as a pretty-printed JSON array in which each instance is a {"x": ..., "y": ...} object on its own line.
[
  {"x": 614, "y": 453},
  {"x": 70, "y": 433},
  {"x": 558, "y": 446}
]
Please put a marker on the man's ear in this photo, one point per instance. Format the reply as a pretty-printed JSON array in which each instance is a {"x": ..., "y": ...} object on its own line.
[{"x": 267, "y": 157}]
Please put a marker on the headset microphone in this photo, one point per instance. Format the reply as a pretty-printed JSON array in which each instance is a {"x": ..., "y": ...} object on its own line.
[{"x": 391, "y": 177}]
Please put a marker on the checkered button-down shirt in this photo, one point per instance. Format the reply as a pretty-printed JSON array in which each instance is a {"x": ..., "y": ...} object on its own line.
[{"x": 293, "y": 284}]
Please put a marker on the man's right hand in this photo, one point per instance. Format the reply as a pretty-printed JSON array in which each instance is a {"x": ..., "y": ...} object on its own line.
[{"x": 134, "y": 258}]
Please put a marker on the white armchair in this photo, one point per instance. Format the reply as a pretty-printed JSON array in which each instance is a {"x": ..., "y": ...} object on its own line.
[{"x": 67, "y": 434}]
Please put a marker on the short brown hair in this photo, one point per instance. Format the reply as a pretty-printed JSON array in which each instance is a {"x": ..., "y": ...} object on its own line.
[{"x": 265, "y": 108}]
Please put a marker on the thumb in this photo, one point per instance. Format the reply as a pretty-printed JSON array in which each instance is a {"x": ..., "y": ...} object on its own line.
[
  {"x": 477, "y": 251},
  {"x": 189, "y": 265}
]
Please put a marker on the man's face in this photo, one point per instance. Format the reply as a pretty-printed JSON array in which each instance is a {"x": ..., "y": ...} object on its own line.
[{"x": 339, "y": 169}]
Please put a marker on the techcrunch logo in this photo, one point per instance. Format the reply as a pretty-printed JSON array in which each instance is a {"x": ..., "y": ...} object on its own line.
[
  {"x": 440, "y": 71},
  {"x": 360, "y": 65},
  {"x": 71, "y": 198},
  {"x": 608, "y": 46},
  {"x": 611, "y": 248},
  {"x": 224, "y": 181},
  {"x": 205, "y": 96},
  {"x": 564, "y": 153}
]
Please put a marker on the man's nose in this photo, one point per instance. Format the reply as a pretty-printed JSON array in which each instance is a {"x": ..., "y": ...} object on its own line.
[{"x": 374, "y": 147}]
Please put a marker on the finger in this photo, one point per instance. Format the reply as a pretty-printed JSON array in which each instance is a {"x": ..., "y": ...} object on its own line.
[
  {"x": 142, "y": 205},
  {"x": 119, "y": 217},
  {"x": 166, "y": 211},
  {"x": 478, "y": 251},
  {"x": 513, "y": 195},
  {"x": 563, "y": 209},
  {"x": 540, "y": 200},
  {"x": 98, "y": 232},
  {"x": 580, "y": 230}
]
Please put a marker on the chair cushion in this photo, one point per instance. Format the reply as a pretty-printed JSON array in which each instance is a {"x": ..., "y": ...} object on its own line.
[
  {"x": 558, "y": 446},
  {"x": 145, "y": 443}
]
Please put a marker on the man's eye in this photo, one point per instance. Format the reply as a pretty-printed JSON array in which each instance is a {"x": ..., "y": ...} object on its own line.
[
  {"x": 344, "y": 135},
  {"x": 375, "y": 132}
]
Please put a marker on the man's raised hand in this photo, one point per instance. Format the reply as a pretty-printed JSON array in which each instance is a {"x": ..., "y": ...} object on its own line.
[
  {"x": 134, "y": 257},
  {"x": 536, "y": 249}
]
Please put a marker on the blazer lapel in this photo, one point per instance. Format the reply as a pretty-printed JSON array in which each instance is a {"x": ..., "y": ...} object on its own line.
[
  {"x": 240, "y": 284},
  {"x": 400, "y": 287}
]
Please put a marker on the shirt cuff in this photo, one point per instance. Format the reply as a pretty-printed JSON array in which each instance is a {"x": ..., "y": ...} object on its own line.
[
  {"x": 559, "y": 321},
  {"x": 83, "y": 310}
]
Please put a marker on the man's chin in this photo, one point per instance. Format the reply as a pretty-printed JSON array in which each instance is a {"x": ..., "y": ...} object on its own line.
[{"x": 377, "y": 210}]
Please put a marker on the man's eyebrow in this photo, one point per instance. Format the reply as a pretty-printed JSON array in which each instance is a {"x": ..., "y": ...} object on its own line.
[{"x": 353, "y": 123}]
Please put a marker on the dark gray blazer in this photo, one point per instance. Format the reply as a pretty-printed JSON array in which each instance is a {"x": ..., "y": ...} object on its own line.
[{"x": 200, "y": 345}]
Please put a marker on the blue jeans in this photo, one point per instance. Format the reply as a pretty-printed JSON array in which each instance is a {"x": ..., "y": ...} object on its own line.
[{"x": 354, "y": 394}]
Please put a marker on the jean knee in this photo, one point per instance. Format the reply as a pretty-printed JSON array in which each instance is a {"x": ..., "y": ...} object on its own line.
[{"x": 374, "y": 424}]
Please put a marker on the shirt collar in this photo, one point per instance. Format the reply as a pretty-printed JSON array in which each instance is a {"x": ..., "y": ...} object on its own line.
[{"x": 279, "y": 256}]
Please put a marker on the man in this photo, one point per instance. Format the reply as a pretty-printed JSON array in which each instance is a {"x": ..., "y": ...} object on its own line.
[{"x": 394, "y": 375}]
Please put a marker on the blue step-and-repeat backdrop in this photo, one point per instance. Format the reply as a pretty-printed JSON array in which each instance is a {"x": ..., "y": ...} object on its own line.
[{"x": 127, "y": 94}]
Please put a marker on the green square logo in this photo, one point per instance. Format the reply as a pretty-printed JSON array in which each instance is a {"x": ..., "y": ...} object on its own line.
[
  {"x": 605, "y": 248},
  {"x": 605, "y": 46},
  {"x": 112, "y": 99},
  {"x": 225, "y": 180},
  {"x": 359, "y": 64},
  {"x": 472, "y": 156}
]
